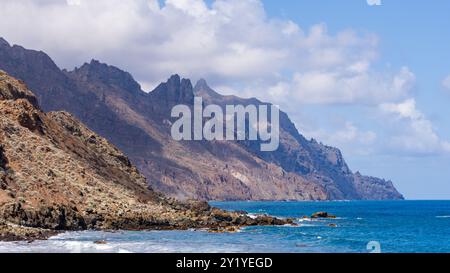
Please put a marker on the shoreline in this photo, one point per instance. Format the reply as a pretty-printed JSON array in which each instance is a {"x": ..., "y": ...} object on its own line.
[
  {"x": 220, "y": 221},
  {"x": 15, "y": 233},
  {"x": 353, "y": 228}
]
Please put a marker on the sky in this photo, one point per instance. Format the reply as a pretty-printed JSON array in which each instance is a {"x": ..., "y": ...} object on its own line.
[{"x": 371, "y": 77}]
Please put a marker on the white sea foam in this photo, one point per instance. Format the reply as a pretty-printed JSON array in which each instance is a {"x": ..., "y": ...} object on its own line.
[
  {"x": 139, "y": 242},
  {"x": 307, "y": 225},
  {"x": 256, "y": 215},
  {"x": 253, "y": 215}
]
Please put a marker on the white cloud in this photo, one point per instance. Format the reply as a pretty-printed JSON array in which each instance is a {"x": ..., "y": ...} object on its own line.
[
  {"x": 351, "y": 139},
  {"x": 73, "y": 2},
  {"x": 353, "y": 84},
  {"x": 232, "y": 39},
  {"x": 415, "y": 133},
  {"x": 229, "y": 41},
  {"x": 374, "y": 2},
  {"x": 446, "y": 83},
  {"x": 351, "y": 134}
]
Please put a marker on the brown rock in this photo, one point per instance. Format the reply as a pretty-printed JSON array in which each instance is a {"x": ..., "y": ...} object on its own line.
[
  {"x": 322, "y": 215},
  {"x": 56, "y": 175}
]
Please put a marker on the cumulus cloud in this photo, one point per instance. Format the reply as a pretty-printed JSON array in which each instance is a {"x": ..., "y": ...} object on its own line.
[
  {"x": 229, "y": 41},
  {"x": 352, "y": 133},
  {"x": 374, "y": 2},
  {"x": 232, "y": 39},
  {"x": 354, "y": 84},
  {"x": 446, "y": 83},
  {"x": 415, "y": 133},
  {"x": 348, "y": 137},
  {"x": 232, "y": 43}
]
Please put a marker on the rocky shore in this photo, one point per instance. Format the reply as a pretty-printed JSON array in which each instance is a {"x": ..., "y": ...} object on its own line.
[
  {"x": 21, "y": 225},
  {"x": 11, "y": 232},
  {"x": 57, "y": 175}
]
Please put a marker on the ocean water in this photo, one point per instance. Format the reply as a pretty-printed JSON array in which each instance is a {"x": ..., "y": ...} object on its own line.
[{"x": 361, "y": 226}]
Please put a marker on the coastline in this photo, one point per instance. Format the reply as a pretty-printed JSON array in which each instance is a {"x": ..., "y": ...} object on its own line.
[
  {"x": 224, "y": 221},
  {"x": 357, "y": 223},
  {"x": 13, "y": 233},
  {"x": 214, "y": 220}
]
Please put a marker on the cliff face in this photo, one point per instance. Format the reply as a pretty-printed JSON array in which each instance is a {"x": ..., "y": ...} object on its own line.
[
  {"x": 315, "y": 162},
  {"x": 113, "y": 105},
  {"x": 203, "y": 170},
  {"x": 57, "y": 174}
]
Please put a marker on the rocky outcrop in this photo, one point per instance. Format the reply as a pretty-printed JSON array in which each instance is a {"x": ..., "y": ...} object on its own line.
[
  {"x": 375, "y": 188},
  {"x": 112, "y": 104},
  {"x": 12, "y": 232},
  {"x": 56, "y": 175},
  {"x": 322, "y": 214}
]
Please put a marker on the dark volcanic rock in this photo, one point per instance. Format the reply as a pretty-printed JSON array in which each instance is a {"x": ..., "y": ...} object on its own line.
[
  {"x": 3, "y": 168},
  {"x": 322, "y": 214},
  {"x": 10, "y": 232}
]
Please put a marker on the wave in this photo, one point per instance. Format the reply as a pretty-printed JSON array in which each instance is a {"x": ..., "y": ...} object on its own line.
[{"x": 256, "y": 215}]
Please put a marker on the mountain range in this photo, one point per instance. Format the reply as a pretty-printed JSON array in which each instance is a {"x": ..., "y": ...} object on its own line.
[
  {"x": 57, "y": 175},
  {"x": 113, "y": 105}
]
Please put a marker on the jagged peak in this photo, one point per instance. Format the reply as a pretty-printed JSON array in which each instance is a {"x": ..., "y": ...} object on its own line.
[
  {"x": 96, "y": 62},
  {"x": 174, "y": 90},
  {"x": 187, "y": 84},
  {"x": 92, "y": 64},
  {"x": 108, "y": 74},
  {"x": 175, "y": 78},
  {"x": 175, "y": 81},
  {"x": 204, "y": 90},
  {"x": 201, "y": 84}
]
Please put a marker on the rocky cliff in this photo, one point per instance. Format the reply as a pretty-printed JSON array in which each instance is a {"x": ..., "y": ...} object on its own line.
[
  {"x": 111, "y": 103},
  {"x": 56, "y": 174}
]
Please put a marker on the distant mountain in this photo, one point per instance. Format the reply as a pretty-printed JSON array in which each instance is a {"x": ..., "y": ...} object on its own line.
[{"x": 111, "y": 103}]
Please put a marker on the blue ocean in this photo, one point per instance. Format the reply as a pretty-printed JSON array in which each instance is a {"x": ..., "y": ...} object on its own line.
[{"x": 360, "y": 227}]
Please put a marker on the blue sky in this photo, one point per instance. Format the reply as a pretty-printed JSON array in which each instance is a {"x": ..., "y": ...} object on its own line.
[
  {"x": 412, "y": 33},
  {"x": 367, "y": 79}
]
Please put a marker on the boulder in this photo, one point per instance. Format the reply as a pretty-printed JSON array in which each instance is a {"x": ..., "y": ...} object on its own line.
[{"x": 322, "y": 214}]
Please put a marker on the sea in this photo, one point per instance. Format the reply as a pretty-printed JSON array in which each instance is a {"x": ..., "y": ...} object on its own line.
[{"x": 360, "y": 227}]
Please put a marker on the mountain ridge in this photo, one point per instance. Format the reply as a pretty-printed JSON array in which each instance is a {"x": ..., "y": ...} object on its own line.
[
  {"x": 113, "y": 104},
  {"x": 58, "y": 175}
]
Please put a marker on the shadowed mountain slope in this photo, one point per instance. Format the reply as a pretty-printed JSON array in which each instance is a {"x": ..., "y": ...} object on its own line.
[
  {"x": 111, "y": 103},
  {"x": 56, "y": 174}
]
